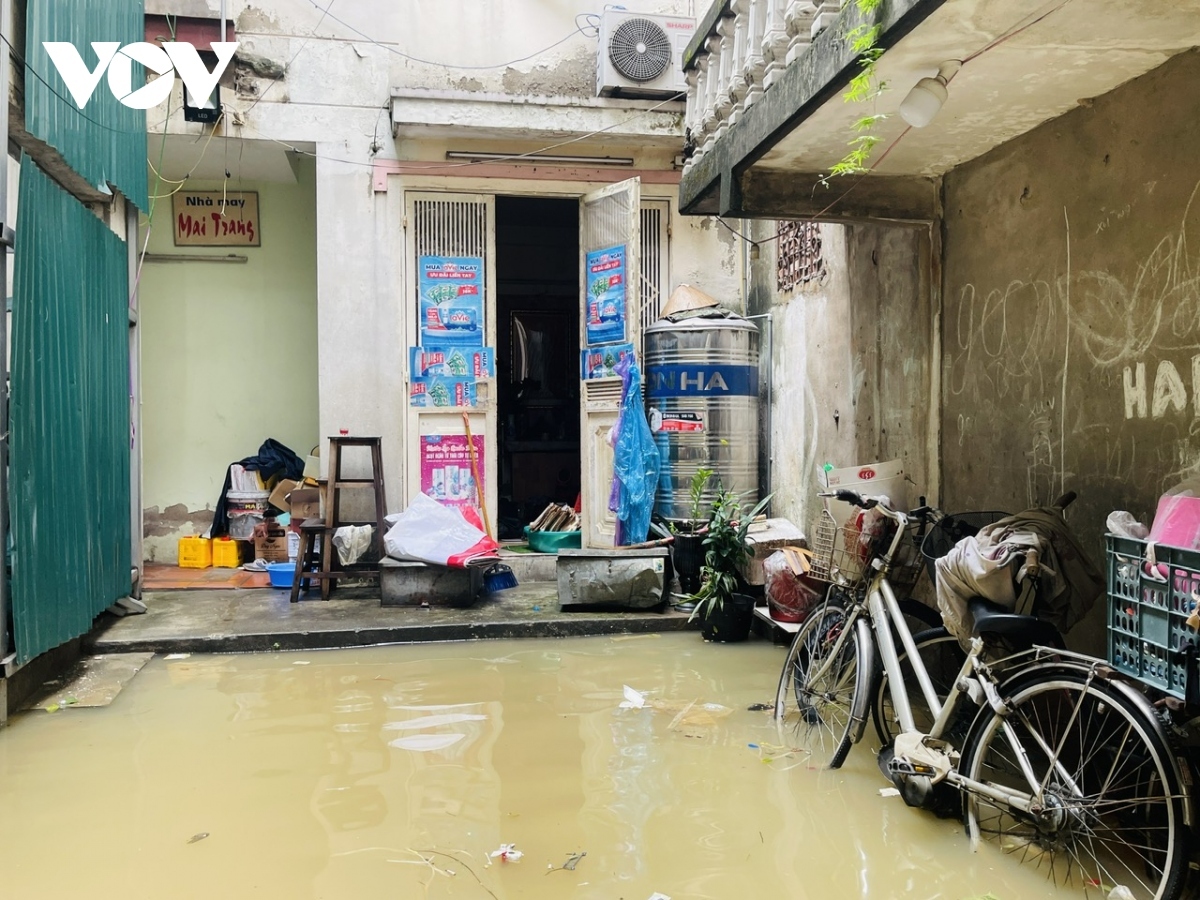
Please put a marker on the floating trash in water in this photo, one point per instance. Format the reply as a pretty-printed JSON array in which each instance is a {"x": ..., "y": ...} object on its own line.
[
  {"x": 758, "y": 707},
  {"x": 177, "y": 656},
  {"x": 633, "y": 699},
  {"x": 507, "y": 853},
  {"x": 1120, "y": 892},
  {"x": 569, "y": 866},
  {"x": 300, "y": 662},
  {"x": 426, "y": 743},
  {"x": 889, "y": 792},
  {"x": 657, "y": 896},
  {"x": 198, "y": 837},
  {"x": 433, "y": 721}
]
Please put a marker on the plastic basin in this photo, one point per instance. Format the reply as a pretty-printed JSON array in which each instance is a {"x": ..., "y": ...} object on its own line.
[
  {"x": 553, "y": 541},
  {"x": 282, "y": 574}
]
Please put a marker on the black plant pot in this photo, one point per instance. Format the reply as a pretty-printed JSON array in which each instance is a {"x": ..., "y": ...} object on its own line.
[
  {"x": 730, "y": 622},
  {"x": 687, "y": 555}
]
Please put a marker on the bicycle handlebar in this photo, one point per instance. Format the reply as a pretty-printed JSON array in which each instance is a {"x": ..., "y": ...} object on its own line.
[{"x": 1066, "y": 499}]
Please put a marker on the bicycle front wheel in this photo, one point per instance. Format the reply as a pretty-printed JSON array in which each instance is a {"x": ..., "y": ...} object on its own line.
[
  {"x": 823, "y": 684},
  {"x": 1107, "y": 811},
  {"x": 943, "y": 659}
]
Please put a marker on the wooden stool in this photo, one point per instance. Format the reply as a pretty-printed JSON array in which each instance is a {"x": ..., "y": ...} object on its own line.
[{"x": 326, "y": 567}]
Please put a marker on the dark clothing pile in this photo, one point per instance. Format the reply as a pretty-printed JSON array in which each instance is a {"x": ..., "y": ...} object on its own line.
[{"x": 272, "y": 459}]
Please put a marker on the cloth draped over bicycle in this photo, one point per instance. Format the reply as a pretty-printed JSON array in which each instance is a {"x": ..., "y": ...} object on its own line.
[{"x": 991, "y": 565}]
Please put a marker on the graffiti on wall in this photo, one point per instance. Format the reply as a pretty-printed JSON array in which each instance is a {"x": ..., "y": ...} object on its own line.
[{"x": 1092, "y": 358}]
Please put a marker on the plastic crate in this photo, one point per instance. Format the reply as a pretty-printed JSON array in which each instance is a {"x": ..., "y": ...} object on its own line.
[
  {"x": 195, "y": 552},
  {"x": 228, "y": 553},
  {"x": 1148, "y": 636}
]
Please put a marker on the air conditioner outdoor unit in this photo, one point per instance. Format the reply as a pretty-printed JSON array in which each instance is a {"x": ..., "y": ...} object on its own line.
[{"x": 640, "y": 55}]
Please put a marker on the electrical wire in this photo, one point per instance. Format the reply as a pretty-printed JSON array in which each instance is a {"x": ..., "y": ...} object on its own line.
[
  {"x": 303, "y": 44},
  {"x": 70, "y": 103},
  {"x": 429, "y": 62},
  {"x": 1025, "y": 24}
]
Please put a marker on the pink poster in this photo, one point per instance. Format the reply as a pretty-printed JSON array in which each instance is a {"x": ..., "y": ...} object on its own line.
[{"x": 446, "y": 469}]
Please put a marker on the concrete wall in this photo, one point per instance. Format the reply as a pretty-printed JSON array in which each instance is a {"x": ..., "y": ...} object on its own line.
[
  {"x": 437, "y": 44},
  {"x": 229, "y": 359},
  {"x": 332, "y": 104},
  {"x": 1072, "y": 310},
  {"x": 849, "y": 370}
]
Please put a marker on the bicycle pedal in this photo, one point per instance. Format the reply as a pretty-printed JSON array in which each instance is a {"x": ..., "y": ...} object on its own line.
[{"x": 903, "y": 768}]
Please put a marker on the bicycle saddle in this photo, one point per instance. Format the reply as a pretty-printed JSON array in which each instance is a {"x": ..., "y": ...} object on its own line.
[{"x": 991, "y": 618}]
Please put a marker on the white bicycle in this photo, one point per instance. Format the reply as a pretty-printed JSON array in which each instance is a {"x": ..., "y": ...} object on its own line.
[{"x": 1045, "y": 752}]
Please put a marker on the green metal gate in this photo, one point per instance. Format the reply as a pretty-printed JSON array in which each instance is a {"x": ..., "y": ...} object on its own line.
[{"x": 69, "y": 419}]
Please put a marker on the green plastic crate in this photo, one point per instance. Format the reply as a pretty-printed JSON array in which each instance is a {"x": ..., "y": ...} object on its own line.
[{"x": 1148, "y": 636}]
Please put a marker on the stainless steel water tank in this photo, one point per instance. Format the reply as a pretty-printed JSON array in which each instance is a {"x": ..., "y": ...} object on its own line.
[{"x": 702, "y": 393}]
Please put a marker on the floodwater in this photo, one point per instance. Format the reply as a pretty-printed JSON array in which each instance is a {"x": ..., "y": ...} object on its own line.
[{"x": 396, "y": 771}]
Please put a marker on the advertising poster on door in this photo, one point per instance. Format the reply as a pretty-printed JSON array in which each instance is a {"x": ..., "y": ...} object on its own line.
[
  {"x": 606, "y": 296},
  {"x": 446, "y": 469},
  {"x": 451, "y": 289}
]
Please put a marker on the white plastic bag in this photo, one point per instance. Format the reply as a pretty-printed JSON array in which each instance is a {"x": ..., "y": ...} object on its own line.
[
  {"x": 352, "y": 541},
  {"x": 431, "y": 533}
]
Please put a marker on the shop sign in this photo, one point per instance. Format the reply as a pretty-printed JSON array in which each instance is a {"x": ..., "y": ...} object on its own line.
[
  {"x": 446, "y": 474},
  {"x": 216, "y": 219}
]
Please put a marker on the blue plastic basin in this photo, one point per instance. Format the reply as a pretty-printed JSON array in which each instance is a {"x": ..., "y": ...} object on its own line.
[{"x": 282, "y": 574}]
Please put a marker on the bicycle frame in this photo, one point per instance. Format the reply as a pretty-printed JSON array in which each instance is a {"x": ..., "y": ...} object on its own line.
[{"x": 882, "y": 607}]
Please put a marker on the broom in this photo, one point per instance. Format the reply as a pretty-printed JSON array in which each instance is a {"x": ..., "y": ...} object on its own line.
[{"x": 496, "y": 577}]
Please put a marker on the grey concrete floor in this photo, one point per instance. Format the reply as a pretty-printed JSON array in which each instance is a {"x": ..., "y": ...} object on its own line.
[{"x": 250, "y": 620}]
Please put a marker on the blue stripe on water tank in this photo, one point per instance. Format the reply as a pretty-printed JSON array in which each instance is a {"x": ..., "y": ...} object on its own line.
[{"x": 702, "y": 381}]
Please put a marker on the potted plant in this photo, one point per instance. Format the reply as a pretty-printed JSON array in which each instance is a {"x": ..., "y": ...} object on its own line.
[
  {"x": 726, "y": 614},
  {"x": 687, "y": 550}
]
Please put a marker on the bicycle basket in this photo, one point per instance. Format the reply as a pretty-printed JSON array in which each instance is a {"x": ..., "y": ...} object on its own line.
[
  {"x": 835, "y": 552},
  {"x": 841, "y": 555},
  {"x": 949, "y": 531}
]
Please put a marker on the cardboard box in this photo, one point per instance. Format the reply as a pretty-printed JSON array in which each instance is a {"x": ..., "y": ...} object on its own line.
[
  {"x": 279, "y": 496},
  {"x": 305, "y": 503},
  {"x": 273, "y": 547}
]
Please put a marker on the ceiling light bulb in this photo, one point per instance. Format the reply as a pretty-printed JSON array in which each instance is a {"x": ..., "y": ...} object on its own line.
[{"x": 927, "y": 96}]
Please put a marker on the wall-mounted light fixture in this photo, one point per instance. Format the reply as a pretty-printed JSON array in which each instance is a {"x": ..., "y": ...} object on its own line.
[
  {"x": 928, "y": 95},
  {"x": 479, "y": 156}
]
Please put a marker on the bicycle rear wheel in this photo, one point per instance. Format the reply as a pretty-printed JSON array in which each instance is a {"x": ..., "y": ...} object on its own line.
[
  {"x": 943, "y": 658},
  {"x": 1109, "y": 810},
  {"x": 824, "y": 685}
]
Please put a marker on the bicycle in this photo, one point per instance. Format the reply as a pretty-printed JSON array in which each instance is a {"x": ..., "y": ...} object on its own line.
[{"x": 1061, "y": 763}]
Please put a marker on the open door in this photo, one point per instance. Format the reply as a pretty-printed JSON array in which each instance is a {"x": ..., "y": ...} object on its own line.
[
  {"x": 452, "y": 260},
  {"x": 610, "y": 325}
]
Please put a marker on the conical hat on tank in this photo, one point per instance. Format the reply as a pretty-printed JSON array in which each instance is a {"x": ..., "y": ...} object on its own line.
[{"x": 686, "y": 297}]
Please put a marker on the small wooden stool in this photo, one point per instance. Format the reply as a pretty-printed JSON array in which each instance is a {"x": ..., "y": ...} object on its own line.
[{"x": 325, "y": 566}]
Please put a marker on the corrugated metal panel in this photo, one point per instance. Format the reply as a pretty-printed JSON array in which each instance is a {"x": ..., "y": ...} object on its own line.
[
  {"x": 105, "y": 141},
  {"x": 69, "y": 463}
]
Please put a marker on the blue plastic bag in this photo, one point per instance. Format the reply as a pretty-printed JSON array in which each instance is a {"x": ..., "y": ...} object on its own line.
[{"x": 635, "y": 460}]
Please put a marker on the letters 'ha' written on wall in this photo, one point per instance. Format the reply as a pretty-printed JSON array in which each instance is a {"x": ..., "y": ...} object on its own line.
[{"x": 216, "y": 219}]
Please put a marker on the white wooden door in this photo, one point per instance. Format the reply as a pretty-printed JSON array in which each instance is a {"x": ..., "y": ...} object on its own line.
[
  {"x": 458, "y": 227},
  {"x": 609, "y": 235}
]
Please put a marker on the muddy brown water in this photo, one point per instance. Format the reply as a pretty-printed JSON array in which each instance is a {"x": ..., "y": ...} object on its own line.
[{"x": 395, "y": 771}]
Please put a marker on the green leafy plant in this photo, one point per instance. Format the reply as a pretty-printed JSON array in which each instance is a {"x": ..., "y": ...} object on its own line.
[
  {"x": 864, "y": 86},
  {"x": 726, "y": 551},
  {"x": 696, "y": 492}
]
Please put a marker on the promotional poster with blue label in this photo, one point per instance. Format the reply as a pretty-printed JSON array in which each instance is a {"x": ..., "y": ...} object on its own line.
[
  {"x": 606, "y": 296},
  {"x": 451, "y": 290},
  {"x": 455, "y": 362},
  {"x": 601, "y": 362}
]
